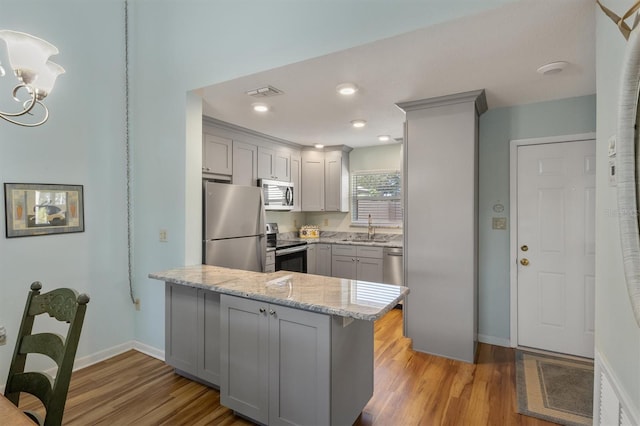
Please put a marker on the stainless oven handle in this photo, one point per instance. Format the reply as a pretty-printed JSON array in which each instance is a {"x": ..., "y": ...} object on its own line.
[{"x": 290, "y": 250}]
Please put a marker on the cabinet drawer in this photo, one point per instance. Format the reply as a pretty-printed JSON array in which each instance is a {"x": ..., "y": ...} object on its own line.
[
  {"x": 344, "y": 250},
  {"x": 368, "y": 251}
]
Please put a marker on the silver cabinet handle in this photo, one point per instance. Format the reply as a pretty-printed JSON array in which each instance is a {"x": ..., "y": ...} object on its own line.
[
  {"x": 272, "y": 312},
  {"x": 263, "y": 310}
]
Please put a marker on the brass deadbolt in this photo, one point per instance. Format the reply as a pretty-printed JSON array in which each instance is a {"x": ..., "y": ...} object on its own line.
[{"x": 524, "y": 247}]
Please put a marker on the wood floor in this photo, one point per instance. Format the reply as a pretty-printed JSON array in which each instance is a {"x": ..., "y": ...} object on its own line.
[{"x": 411, "y": 388}]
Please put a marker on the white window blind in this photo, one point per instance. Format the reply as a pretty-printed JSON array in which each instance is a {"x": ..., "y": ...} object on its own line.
[{"x": 376, "y": 193}]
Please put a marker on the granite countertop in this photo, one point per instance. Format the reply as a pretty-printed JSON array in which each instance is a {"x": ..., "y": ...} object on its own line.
[
  {"x": 335, "y": 296},
  {"x": 348, "y": 238}
]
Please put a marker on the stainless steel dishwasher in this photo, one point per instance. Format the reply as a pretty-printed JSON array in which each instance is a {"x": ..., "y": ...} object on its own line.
[{"x": 393, "y": 269}]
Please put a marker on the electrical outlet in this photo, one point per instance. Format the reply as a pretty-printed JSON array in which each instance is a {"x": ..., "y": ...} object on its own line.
[
  {"x": 295, "y": 223},
  {"x": 137, "y": 304},
  {"x": 326, "y": 222},
  {"x": 163, "y": 236},
  {"x": 3, "y": 336}
]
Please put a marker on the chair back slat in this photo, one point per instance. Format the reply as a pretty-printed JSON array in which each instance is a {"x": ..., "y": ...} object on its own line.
[
  {"x": 65, "y": 305},
  {"x": 36, "y": 383},
  {"x": 49, "y": 344},
  {"x": 60, "y": 304}
]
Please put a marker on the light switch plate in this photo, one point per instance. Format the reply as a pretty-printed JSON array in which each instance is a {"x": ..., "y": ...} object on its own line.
[{"x": 499, "y": 223}]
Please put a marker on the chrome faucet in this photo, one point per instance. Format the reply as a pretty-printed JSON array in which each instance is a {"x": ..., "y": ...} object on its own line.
[{"x": 371, "y": 230}]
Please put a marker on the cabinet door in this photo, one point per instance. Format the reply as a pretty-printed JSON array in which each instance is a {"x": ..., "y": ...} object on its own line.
[
  {"x": 265, "y": 163},
  {"x": 216, "y": 154},
  {"x": 296, "y": 179},
  {"x": 332, "y": 181},
  {"x": 312, "y": 251},
  {"x": 181, "y": 327},
  {"x": 369, "y": 269},
  {"x": 245, "y": 164},
  {"x": 299, "y": 367},
  {"x": 282, "y": 166},
  {"x": 209, "y": 336},
  {"x": 244, "y": 332},
  {"x": 323, "y": 260},
  {"x": 343, "y": 267},
  {"x": 312, "y": 181}
]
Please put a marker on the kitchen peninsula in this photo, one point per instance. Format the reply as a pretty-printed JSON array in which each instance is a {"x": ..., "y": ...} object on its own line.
[{"x": 284, "y": 347}]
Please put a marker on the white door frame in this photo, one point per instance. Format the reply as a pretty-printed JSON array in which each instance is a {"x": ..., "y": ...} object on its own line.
[{"x": 513, "y": 214}]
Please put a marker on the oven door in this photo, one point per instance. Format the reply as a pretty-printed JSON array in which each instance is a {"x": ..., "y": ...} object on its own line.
[{"x": 292, "y": 259}]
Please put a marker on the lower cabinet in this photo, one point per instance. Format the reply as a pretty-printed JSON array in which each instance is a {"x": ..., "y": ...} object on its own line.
[
  {"x": 192, "y": 332},
  {"x": 323, "y": 259},
  {"x": 363, "y": 263},
  {"x": 312, "y": 257},
  {"x": 286, "y": 366}
]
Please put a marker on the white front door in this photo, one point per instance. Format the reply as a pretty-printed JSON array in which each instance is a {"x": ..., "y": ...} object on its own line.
[{"x": 556, "y": 246}]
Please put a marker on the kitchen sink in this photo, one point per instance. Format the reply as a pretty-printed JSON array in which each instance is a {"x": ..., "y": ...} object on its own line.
[{"x": 364, "y": 240}]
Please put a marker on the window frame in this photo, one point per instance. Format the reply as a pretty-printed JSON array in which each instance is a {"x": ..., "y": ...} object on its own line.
[{"x": 353, "y": 200}]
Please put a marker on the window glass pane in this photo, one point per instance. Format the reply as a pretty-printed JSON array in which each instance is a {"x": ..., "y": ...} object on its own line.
[{"x": 376, "y": 193}]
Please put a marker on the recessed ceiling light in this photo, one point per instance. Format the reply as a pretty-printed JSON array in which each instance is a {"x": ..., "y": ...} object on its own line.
[
  {"x": 318, "y": 146},
  {"x": 553, "y": 68},
  {"x": 358, "y": 123},
  {"x": 384, "y": 138},
  {"x": 260, "y": 107},
  {"x": 347, "y": 89}
]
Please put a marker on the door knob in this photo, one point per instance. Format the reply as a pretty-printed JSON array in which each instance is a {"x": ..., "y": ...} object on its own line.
[
  {"x": 524, "y": 262},
  {"x": 524, "y": 247}
]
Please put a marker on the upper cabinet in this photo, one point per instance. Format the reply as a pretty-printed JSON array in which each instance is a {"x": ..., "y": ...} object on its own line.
[
  {"x": 274, "y": 164},
  {"x": 245, "y": 164},
  {"x": 245, "y": 155},
  {"x": 296, "y": 180},
  {"x": 216, "y": 154},
  {"x": 325, "y": 179}
]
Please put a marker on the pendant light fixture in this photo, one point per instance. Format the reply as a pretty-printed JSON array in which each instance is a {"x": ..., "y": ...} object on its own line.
[{"x": 35, "y": 74}]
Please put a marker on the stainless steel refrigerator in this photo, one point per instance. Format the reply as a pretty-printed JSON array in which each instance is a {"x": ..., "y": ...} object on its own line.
[{"x": 234, "y": 226}]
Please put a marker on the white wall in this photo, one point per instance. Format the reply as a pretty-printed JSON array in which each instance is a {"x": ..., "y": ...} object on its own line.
[
  {"x": 617, "y": 334},
  {"x": 82, "y": 143}
]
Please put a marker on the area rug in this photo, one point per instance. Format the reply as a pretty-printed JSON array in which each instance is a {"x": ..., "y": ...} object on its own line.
[{"x": 553, "y": 388}]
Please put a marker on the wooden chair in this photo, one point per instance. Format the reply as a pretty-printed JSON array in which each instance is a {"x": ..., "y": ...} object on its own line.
[{"x": 63, "y": 304}]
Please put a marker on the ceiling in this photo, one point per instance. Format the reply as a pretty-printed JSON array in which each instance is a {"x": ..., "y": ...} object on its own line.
[{"x": 497, "y": 50}]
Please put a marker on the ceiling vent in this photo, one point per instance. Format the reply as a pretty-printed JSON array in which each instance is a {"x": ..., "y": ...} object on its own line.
[{"x": 265, "y": 92}]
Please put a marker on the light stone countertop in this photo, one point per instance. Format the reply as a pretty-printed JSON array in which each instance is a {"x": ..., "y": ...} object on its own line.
[
  {"x": 348, "y": 238},
  {"x": 335, "y": 296}
]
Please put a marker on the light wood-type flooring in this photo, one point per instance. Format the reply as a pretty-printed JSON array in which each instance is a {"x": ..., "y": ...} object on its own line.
[{"x": 411, "y": 388}]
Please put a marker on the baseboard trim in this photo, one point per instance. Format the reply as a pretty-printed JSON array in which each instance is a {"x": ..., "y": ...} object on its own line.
[
  {"x": 496, "y": 341},
  {"x": 149, "y": 350}
]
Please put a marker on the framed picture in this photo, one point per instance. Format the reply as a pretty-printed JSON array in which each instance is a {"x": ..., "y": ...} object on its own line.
[{"x": 43, "y": 209}]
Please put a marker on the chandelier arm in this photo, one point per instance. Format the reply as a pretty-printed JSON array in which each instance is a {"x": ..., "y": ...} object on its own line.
[
  {"x": 25, "y": 110},
  {"x": 6, "y": 116}
]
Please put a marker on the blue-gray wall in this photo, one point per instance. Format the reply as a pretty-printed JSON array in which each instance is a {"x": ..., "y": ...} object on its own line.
[{"x": 497, "y": 128}]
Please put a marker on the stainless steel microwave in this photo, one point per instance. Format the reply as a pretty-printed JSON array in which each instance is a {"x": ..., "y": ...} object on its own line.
[{"x": 277, "y": 195}]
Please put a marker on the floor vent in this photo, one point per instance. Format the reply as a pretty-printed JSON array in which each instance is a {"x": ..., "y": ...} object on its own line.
[
  {"x": 610, "y": 406},
  {"x": 265, "y": 92}
]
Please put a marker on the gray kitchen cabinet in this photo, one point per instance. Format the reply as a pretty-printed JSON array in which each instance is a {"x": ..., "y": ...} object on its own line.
[
  {"x": 325, "y": 180},
  {"x": 312, "y": 250},
  {"x": 336, "y": 181},
  {"x": 296, "y": 179},
  {"x": 323, "y": 259},
  {"x": 245, "y": 164},
  {"x": 274, "y": 164},
  {"x": 344, "y": 267},
  {"x": 312, "y": 194},
  {"x": 192, "y": 332},
  {"x": 216, "y": 155},
  {"x": 357, "y": 262},
  {"x": 257, "y": 339}
]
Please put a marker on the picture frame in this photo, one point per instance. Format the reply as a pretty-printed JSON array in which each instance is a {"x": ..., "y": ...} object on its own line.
[{"x": 33, "y": 209}]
